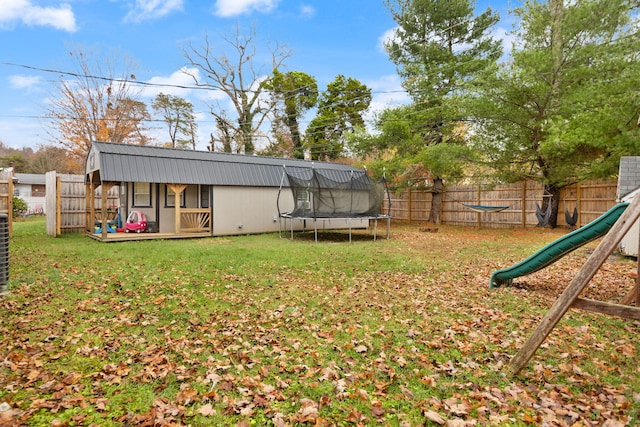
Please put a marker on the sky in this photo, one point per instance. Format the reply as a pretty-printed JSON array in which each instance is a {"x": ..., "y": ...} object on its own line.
[{"x": 325, "y": 38}]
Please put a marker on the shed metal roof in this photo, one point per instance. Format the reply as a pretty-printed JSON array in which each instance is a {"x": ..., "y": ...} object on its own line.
[
  {"x": 143, "y": 163},
  {"x": 30, "y": 178}
]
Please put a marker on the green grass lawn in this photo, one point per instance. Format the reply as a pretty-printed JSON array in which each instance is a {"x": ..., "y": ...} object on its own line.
[{"x": 258, "y": 330}]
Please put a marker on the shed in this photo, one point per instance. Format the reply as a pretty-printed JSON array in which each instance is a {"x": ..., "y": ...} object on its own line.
[
  {"x": 629, "y": 189},
  {"x": 185, "y": 193}
]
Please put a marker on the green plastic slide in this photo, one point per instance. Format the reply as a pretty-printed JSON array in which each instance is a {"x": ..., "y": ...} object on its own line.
[{"x": 559, "y": 248}]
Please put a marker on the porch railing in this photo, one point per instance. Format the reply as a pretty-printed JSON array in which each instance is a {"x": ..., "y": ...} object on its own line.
[{"x": 195, "y": 220}]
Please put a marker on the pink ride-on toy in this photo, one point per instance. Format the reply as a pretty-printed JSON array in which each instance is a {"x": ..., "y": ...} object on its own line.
[{"x": 136, "y": 222}]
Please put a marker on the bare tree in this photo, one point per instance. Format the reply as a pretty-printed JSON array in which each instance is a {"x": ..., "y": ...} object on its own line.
[
  {"x": 225, "y": 134},
  {"x": 93, "y": 103},
  {"x": 49, "y": 158},
  {"x": 238, "y": 77}
]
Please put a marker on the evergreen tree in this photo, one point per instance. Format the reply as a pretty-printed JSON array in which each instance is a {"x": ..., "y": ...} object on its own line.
[
  {"x": 439, "y": 47},
  {"x": 340, "y": 110},
  {"x": 564, "y": 108}
]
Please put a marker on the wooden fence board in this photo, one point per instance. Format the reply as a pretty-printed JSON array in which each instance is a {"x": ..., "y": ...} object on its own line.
[
  {"x": 6, "y": 196},
  {"x": 591, "y": 198},
  {"x": 66, "y": 193}
]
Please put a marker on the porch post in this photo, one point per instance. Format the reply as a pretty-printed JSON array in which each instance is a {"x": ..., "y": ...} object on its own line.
[
  {"x": 103, "y": 212},
  {"x": 91, "y": 205},
  {"x": 177, "y": 192}
]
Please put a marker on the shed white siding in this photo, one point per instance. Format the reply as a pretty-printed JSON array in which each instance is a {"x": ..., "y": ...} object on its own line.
[
  {"x": 629, "y": 243},
  {"x": 245, "y": 210},
  {"x": 628, "y": 189}
]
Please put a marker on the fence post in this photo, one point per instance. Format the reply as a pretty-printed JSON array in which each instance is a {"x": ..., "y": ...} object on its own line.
[
  {"x": 524, "y": 204},
  {"x": 58, "y": 206},
  {"x": 579, "y": 205},
  {"x": 442, "y": 211},
  {"x": 478, "y": 202},
  {"x": 410, "y": 206}
]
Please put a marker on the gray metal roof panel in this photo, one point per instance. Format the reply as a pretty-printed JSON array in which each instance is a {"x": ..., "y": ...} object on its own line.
[
  {"x": 30, "y": 178},
  {"x": 135, "y": 163}
]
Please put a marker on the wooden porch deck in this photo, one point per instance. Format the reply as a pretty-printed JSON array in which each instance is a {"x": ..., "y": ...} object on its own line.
[{"x": 125, "y": 237}]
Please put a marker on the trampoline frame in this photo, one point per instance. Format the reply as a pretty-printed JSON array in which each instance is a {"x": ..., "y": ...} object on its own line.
[{"x": 288, "y": 216}]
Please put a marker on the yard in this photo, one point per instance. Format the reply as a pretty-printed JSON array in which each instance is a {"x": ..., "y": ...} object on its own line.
[{"x": 258, "y": 330}]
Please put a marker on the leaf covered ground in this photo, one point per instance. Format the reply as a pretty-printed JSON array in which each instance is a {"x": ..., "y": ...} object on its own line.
[{"x": 258, "y": 330}]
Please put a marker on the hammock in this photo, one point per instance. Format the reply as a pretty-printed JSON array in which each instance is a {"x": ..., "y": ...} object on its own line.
[
  {"x": 481, "y": 208},
  {"x": 543, "y": 217},
  {"x": 571, "y": 220}
]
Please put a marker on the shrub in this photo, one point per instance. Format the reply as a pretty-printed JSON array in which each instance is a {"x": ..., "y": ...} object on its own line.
[{"x": 19, "y": 206}]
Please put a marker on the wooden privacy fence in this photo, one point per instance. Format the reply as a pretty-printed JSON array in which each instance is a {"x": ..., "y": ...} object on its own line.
[
  {"x": 66, "y": 203},
  {"x": 591, "y": 199},
  {"x": 6, "y": 196},
  {"x": 67, "y": 210}
]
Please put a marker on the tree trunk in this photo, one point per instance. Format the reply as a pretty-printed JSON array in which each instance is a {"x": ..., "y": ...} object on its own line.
[
  {"x": 292, "y": 122},
  {"x": 247, "y": 137},
  {"x": 245, "y": 124},
  {"x": 554, "y": 192},
  {"x": 436, "y": 200}
]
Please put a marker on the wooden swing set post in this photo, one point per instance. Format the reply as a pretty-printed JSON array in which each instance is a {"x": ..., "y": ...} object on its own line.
[
  {"x": 633, "y": 297},
  {"x": 570, "y": 296}
]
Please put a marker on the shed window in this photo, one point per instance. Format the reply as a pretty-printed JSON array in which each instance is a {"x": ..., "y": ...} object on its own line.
[
  {"x": 142, "y": 194},
  {"x": 170, "y": 198},
  {"x": 205, "y": 192},
  {"x": 303, "y": 199}
]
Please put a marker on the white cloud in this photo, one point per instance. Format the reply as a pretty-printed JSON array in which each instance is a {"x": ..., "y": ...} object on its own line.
[
  {"x": 152, "y": 9},
  {"x": 387, "y": 92},
  {"x": 30, "y": 83},
  {"x": 507, "y": 39},
  {"x": 307, "y": 11},
  {"x": 60, "y": 17},
  {"x": 385, "y": 37},
  {"x": 229, "y": 8},
  {"x": 178, "y": 83}
]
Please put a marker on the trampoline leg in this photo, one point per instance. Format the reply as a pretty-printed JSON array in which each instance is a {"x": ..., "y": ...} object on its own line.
[
  {"x": 375, "y": 229},
  {"x": 388, "y": 226},
  {"x": 315, "y": 230}
]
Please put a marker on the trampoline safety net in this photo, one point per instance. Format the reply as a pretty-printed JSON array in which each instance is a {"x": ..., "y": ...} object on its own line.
[{"x": 328, "y": 193}]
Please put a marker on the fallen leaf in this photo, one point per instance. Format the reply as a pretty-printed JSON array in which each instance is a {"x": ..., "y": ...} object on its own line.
[
  {"x": 435, "y": 417},
  {"x": 361, "y": 349},
  {"x": 186, "y": 397}
]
